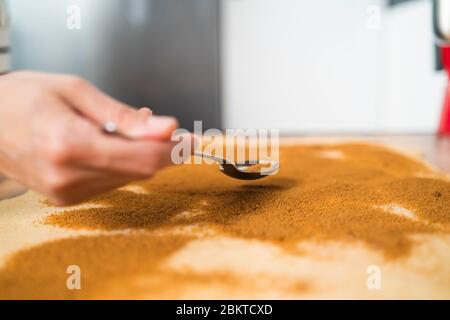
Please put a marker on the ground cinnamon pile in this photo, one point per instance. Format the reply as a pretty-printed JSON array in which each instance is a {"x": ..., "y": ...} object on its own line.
[
  {"x": 312, "y": 197},
  {"x": 359, "y": 196}
]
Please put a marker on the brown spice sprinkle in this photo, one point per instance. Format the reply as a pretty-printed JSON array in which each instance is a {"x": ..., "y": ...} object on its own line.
[
  {"x": 312, "y": 198},
  {"x": 106, "y": 262}
]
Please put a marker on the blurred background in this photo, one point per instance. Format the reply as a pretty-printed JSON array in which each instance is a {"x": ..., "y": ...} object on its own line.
[{"x": 303, "y": 66}]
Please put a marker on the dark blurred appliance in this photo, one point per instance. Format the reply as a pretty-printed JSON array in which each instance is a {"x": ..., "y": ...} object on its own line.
[
  {"x": 164, "y": 54},
  {"x": 4, "y": 39}
]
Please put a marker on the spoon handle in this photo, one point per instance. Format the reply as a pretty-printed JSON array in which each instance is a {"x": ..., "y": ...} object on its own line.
[{"x": 211, "y": 157}]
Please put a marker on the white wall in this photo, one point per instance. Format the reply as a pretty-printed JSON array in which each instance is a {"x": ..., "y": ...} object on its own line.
[
  {"x": 411, "y": 90},
  {"x": 315, "y": 66}
]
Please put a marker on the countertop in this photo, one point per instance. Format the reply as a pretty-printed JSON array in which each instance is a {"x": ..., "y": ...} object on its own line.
[{"x": 223, "y": 265}]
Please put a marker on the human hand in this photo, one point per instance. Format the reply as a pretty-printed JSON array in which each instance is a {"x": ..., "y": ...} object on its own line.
[{"x": 51, "y": 138}]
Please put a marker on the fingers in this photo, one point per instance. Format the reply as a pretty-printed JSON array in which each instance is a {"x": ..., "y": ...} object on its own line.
[
  {"x": 160, "y": 127},
  {"x": 140, "y": 158},
  {"x": 114, "y": 165},
  {"x": 75, "y": 186},
  {"x": 102, "y": 109},
  {"x": 80, "y": 144},
  {"x": 96, "y": 150}
]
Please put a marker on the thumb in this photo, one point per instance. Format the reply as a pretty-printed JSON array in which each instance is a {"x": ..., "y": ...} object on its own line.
[{"x": 115, "y": 116}]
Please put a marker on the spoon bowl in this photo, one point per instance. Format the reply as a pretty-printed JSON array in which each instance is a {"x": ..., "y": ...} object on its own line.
[{"x": 244, "y": 171}]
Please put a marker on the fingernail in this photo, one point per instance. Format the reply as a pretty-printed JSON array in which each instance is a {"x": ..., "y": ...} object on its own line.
[
  {"x": 161, "y": 126},
  {"x": 146, "y": 111}
]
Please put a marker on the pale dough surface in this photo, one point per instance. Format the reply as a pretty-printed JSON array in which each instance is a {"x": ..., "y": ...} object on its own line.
[{"x": 262, "y": 270}]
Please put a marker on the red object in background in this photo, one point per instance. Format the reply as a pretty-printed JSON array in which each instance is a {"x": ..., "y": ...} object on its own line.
[{"x": 444, "y": 126}]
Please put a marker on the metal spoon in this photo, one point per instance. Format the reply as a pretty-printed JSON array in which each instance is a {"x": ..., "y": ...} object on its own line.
[{"x": 241, "y": 171}]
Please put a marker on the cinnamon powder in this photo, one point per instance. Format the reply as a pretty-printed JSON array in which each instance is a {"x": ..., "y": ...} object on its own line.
[{"x": 313, "y": 197}]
